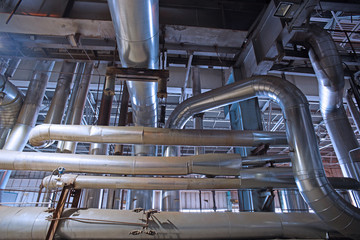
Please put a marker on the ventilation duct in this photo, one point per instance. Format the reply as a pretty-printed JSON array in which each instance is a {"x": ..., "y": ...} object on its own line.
[
  {"x": 32, "y": 223},
  {"x": 29, "y": 111},
  {"x": 328, "y": 68},
  {"x": 154, "y": 136},
  {"x": 307, "y": 164}
]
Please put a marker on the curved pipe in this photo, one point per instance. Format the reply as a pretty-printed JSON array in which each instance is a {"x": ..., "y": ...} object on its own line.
[
  {"x": 11, "y": 100},
  {"x": 328, "y": 68},
  {"x": 154, "y": 136},
  {"x": 32, "y": 223},
  {"x": 136, "y": 24},
  {"x": 307, "y": 164}
]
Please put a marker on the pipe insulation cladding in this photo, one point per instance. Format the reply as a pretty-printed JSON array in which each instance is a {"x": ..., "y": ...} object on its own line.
[
  {"x": 154, "y": 136},
  {"x": 308, "y": 169},
  {"x": 33, "y": 222}
]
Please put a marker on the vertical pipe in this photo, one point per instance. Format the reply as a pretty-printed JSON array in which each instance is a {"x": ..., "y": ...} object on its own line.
[
  {"x": 61, "y": 95},
  {"x": 136, "y": 24},
  {"x": 95, "y": 199},
  {"x": 29, "y": 111},
  {"x": 123, "y": 116},
  {"x": 77, "y": 110}
]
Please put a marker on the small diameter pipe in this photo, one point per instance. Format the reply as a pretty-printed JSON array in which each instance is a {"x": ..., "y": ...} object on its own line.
[
  {"x": 249, "y": 179},
  {"x": 32, "y": 223},
  {"x": 155, "y": 136}
]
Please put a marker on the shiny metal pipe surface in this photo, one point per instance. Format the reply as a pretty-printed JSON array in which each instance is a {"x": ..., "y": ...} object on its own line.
[
  {"x": 61, "y": 95},
  {"x": 31, "y": 107},
  {"x": 32, "y": 223},
  {"x": 328, "y": 68},
  {"x": 136, "y": 24},
  {"x": 155, "y": 136},
  {"x": 249, "y": 179},
  {"x": 11, "y": 100},
  {"x": 210, "y": 164},
  {"x": 29, "y": 111},
  {"x": 77, "y": 110},
  {"x": 263, "y": 180},
  {"x": 307, "y": 164}
]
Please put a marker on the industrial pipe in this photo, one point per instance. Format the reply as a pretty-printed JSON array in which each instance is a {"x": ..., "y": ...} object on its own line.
[
  {"x": 61, "y": 95},
  {"x": 353, "y": 110},
  {"x": 136, "y": 24},
  {"x": 210, "y": 164},
  {"x": 11, "y": 100},
  {"x": 155, "y": 136},
  {"x": 307, "y": 164},
  {"x": 249, "y": 179},
  {"x": 77, "y": 110},
  {"x": 29, "y": 111},
  {"x": 33, "y": 222},
  {"x": 328, "y": 68}
]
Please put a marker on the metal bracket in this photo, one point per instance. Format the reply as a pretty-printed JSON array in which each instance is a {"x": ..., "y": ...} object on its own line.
[{"x": 143, "y": 75}]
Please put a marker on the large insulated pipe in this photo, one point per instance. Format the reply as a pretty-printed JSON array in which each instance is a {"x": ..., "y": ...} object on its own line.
[
  {"x": 11, "y": 100},
  {"x": 32, "y": 223},
  {"x": 136, "y": 24},
  {"x": 307, "y": 164},
  {"x": 328, "y": 68},
  {"x": 61, "y": 95},
  {"x": 210, "y": 164},
  {"x": 29, "y": 111},
  {"x": 155, "y": 136},
  {"x": 77, "y": 110},
  {"x": 249, "y": 179}
]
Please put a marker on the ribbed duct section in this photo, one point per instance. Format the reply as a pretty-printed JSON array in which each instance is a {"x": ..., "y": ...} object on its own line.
[{"x": 307, "y": 164}]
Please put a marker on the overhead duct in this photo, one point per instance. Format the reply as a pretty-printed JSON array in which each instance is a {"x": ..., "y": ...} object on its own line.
[
  {"x": 77, "y": 110},
  {"x": 29, "y": 111},
  {"x": 61, "y": 95},
  {"x": 136, "y": 24},
  {"x": 32, "y": 223},
  {"x": 328, "y": 68},
  {"x": 249, "y": 179},
  {"x": 307, "y": 164},
  {"x": 11, "y": 100},
  {"x": 154, "y": 136}
]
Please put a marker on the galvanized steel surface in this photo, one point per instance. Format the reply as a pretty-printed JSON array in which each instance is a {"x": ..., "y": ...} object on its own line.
[
  {"x": 32, "y": 223},
  {"x": 307, "y": 164},
  {"x": 154, "y": 136}
]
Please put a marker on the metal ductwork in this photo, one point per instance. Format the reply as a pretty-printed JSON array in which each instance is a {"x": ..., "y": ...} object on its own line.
[
  {"x": 136, "y": 24},
  {"x": 29, "y": 111},
  {"x": 61, "y": 95},
  {"x": 77, "y": 110},
  {"x": 11, "y": 100},
  {"x": 281, "y": 177},
  {"x": 307, "y": 164},
  {"x": 154, "y": 136},
  {"x": 32, "y": 223},
  {"x": 328, "y": 68}
]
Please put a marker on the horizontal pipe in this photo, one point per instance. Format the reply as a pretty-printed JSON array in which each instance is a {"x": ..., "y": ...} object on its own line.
[
  {"x": 248, "y": 179},
  {"x": 154, "y": 136},
  {"x": 306, "y": 159},
  {"x": 209, "y": 164},
  {"x": 33, "y": 222}
]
